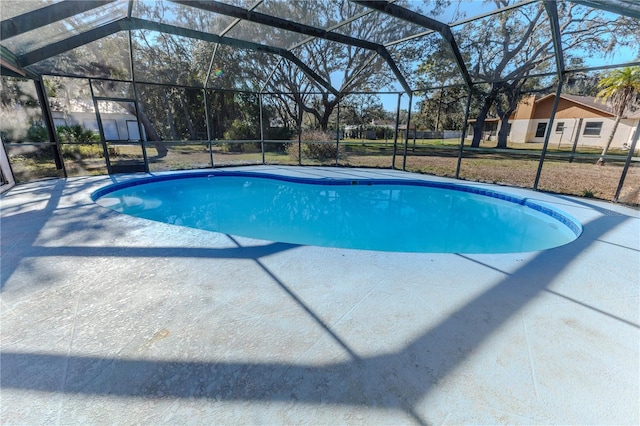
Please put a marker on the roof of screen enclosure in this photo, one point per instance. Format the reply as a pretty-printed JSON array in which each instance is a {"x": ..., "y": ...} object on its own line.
[{"x": 33, "y": 32}]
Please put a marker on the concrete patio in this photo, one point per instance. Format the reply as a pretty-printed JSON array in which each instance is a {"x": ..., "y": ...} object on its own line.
[{"x": 108, "y": 318}]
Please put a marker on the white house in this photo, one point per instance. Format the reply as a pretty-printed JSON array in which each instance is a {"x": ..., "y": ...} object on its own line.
[
  {"x": 580, "y": 119},
  {"x": 118, "y": 123}
]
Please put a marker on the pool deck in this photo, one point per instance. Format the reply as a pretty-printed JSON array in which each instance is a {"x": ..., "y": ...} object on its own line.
[{"x": 107, "y": 318}]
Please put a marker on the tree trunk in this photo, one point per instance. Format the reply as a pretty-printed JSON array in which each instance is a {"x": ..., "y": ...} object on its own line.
[
  {"x": 170, "y": 120},
  {"x": 482, "y": 115},
  {"x": 187, "y": 114},
  {"x": 324, "y": 121},
  {"x": 503, "y": 131},
  {"x": 608, "y": 144},
  {"x": 479, "y": 125}
]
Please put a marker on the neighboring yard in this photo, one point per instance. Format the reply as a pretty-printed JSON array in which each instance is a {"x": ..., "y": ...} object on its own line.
[{"x": 516, "y": 166}]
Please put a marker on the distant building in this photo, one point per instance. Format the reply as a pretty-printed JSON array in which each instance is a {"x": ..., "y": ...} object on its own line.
[
  {"x": 579, "y": 119},
  {"x": 117, "y": 123}
]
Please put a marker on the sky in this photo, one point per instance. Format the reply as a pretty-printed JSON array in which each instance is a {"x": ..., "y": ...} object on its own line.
[{"x": 460, "y": 11}]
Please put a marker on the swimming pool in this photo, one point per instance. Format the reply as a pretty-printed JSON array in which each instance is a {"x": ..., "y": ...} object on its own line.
[{"x": 373, "y": 214}]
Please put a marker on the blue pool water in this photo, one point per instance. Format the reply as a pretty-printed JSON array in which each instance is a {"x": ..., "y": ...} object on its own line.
[{"x": 389, "y": 215}]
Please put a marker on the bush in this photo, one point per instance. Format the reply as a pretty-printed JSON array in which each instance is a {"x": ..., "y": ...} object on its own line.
[
  {"x": 78, "y": 151},
  {"x": 37, "y": 133},
  {"x": 278, "y": 133},
  {"x": 231, "y": 147},
  {"x": 321, "y": 151},
  {"x": 75, "y": 134},
  {"x": 240, "y": 130},
  {"x": 324, "y": 149},
  {"x": 292, "y": 150}
]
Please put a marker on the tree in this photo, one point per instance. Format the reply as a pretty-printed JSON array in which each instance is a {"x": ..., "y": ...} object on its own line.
[
  {"x": 348, "y": 68},
  {"x": 582, "y": 84},
  {"x": 621, "y": 89},
  {"x": 509, "y": 96},
  {"x": 442, "y": 109},
  {"x": 361, "y": 110},
  {"x": 506, "y": 49},
  {"x": 19, "y": 110}
]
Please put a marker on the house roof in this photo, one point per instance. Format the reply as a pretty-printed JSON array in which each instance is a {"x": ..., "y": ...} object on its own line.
[
  {"x": 587, "y": 101},
  {"x": 634, "y": 116},
  {"x": 592, "y": 102}
]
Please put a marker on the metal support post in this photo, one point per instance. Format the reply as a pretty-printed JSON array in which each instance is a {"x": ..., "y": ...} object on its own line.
[
  {"x": 338, "y": 133},
  {"x": 105, "y": 151},
  {"x": 261, "y": 127},
  {"x": 213, "y": 57},
  {"x": 299, "y": 134},
  {"x": 465, "y": 125},
  {"x": 406, "y": 135},
  {"x": 208, "y": 123},
  {"x": 548, "y": 133},
  {"x": 627, "y": 163},
  {"x": 395, "y": 133},
  {"x": 137, "y": 106},
  {"x": 50, "y": 125}
]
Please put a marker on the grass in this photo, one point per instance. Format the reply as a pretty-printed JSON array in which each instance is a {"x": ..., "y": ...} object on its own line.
[{"x": 516, "y": 166}]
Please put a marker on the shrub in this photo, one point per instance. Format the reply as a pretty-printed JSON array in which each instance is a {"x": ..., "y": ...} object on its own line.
[
  {"x": 321, "y": 150},
  {"x": 76, "y": 134},
  {"x": 240, "y": 130},
  {"x": 278, "y": 133},
  {"x": 231, "y": 147},
  {"x": 79, "y": 151},
  {"x": 292, "y": 150},
  {"x": 37, "y": 133}
]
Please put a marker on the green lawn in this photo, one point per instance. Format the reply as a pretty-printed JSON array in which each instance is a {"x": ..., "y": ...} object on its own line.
[{"x": 516, "y": 165}]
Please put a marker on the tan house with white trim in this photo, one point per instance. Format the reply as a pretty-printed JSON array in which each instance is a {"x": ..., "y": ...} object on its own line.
[{"x": 580, "y": 119}]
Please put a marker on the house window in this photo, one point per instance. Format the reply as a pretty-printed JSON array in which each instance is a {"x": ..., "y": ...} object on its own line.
[
  {"x": 542, "y": 127},
  {"x": 133, "y": 130},
  {"x": 560, "y": 127},
  {"x": 90, "y": 125},
  {"x": 593, "y": 128},
  {"x": 110, "y": 128}
]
